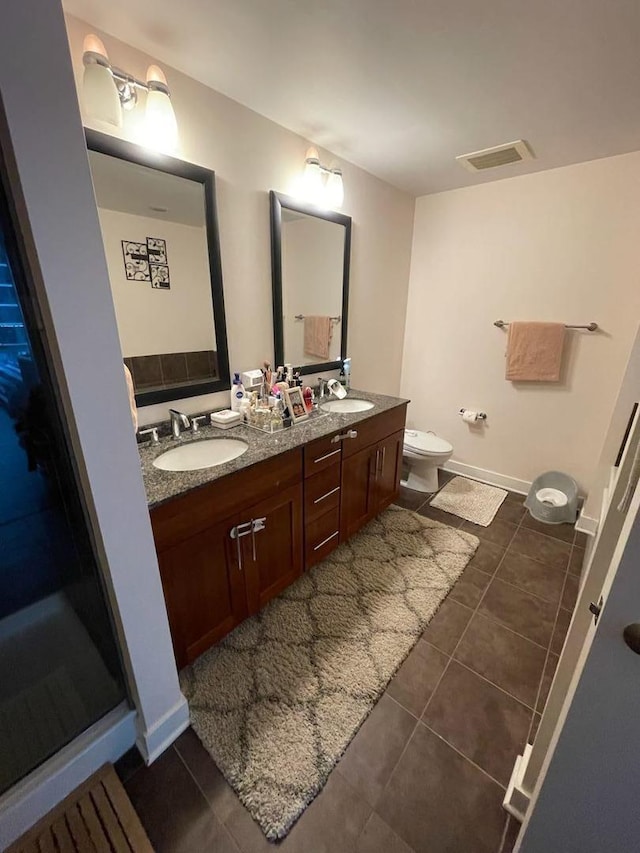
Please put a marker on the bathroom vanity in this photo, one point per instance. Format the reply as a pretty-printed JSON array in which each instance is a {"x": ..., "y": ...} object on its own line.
[{"x": 231, "y": 537}]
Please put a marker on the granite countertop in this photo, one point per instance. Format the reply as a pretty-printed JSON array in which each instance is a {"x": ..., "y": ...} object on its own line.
[{"x": 161, "y": 486}]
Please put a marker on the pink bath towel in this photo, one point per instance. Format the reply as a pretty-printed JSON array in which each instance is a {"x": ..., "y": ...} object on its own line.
[
  {"x": 534, "y": 352},
  {"x": 317, "y": 336}
]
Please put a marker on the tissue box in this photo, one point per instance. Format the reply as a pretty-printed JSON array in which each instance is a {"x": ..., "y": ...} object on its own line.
[{"x": 225, "y": 419}]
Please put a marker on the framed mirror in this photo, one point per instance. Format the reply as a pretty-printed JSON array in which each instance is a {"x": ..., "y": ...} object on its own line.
[
  {"x": 310, "y": 252},
  {"x": 160, "y": 231}
]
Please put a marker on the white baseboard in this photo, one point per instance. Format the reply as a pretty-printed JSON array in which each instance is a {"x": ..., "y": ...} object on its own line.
[
  {"x": 516, "y": 800},
  {"x": 586, "y": 524},
  {"x": 513, "y": 484},
  {"x": 153, "y": 742},
  {"x": 34, "y": 796}
]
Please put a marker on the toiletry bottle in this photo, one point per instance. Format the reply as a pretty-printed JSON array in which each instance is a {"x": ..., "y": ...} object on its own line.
[
  {"x": 346, "y": 369},
  {"x": 237, "y": 393}
]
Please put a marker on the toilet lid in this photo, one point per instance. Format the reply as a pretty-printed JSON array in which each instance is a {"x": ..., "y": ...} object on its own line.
[{"x": 425, "y": 442}]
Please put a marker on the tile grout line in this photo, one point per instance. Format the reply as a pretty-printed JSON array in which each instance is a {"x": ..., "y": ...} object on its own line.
[
  {"x": 207, "y": 801},
  {"x": 549, "y": 652},
  {"x": 451, "y": 656},
  {"x": 461, "y": 754}
]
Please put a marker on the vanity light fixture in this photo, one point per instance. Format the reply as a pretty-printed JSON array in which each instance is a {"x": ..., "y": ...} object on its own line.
[
  {"x": 320, "y": 184},
  {"x": 109, "y": 90}
]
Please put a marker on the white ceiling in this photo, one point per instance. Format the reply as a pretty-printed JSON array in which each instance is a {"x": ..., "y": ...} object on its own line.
[{"x": 403, "y": 86}]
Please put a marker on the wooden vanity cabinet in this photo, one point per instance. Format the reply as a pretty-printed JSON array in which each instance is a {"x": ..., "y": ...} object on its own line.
[
  {"x": 371, "y": 470},
  {"x": 322, "y": 488},
  {"x": 226, "y": 549},
  {"x": 272, "y": 555},
  {"x": 212, "y": 580}
]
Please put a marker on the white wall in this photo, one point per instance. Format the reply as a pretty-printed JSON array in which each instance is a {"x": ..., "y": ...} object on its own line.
[
  {"x": 558, "y": 245},
  {"x": 250, "y": 156},
  {"x": 153, "y": 320},
  {"x": 312, "y": 271},
  {"x": 51, "y": 186}
]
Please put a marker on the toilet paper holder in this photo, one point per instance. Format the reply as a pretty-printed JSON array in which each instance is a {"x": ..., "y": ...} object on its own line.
[{"x": 482, "y": 416}]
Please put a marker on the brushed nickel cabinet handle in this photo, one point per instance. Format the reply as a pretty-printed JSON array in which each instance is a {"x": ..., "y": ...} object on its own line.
[
  {"x": 257, "y": 524},
  {"x": 328, "y": 495},
  {"x": 350, "y": 433},
  {"x": 327, "y": 456},
  {"x": 324, "y": 541},
  {"x": 237, "y": 533}
]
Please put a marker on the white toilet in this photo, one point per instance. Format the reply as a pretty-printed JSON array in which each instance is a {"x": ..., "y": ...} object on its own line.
[{"x": 425, "y": 453}]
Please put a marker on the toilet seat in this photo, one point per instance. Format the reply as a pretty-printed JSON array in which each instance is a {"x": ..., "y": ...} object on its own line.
[{"x": 425, "y": 443}]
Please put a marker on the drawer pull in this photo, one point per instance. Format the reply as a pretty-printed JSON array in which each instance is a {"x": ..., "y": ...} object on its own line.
[
  {"x": 328, "y": 494},
  {"x": 327, "y": 455},
  {"x": 324, "y": 541},
  {"x": 350, "y": 433}
]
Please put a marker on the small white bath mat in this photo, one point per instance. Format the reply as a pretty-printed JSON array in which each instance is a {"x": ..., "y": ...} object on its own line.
[{"x": 470, "y": 500}]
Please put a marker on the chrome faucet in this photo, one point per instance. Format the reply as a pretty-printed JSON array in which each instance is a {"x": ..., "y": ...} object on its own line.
[
  {"x": 322, "y": 387},
  {"x": 177, "y": 419}
]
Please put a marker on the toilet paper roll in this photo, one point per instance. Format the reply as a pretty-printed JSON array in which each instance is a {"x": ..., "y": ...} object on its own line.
[{"x": 469, "y": 416}]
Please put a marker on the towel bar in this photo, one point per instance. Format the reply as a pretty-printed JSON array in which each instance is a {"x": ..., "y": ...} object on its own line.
[
  {"x": 333, "y": 319},
  {"x": 591, "y": 327}
]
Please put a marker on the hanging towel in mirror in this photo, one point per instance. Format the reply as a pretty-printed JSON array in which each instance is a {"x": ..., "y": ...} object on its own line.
[
  {"x": 534, "y": 352},
  {"x": 317, "y": 336}
]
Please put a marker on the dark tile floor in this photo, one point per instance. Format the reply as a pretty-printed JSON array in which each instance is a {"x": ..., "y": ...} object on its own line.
[{"x": 428, "y": 769}]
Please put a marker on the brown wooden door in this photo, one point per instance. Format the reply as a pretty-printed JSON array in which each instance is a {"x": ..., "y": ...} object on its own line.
[
  {"x": 204, "y": 590},
  {"x": 272, "y": 554},
  {"x": 358, "y": 491},
  {"x": 388, "y": 471}
]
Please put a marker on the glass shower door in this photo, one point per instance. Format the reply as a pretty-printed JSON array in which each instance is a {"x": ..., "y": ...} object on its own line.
[{"x": 59, "y": 664}]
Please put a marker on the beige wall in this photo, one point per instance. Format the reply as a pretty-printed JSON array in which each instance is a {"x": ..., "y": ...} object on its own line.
[
  {"x": 250, "y": 156},
  {"x": 560, "y": 245}
]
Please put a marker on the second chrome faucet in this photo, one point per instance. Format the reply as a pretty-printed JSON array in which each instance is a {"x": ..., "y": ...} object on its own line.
[{"x": 178, "y": 419}]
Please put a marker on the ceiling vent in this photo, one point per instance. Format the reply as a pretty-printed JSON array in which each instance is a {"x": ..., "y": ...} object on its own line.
[{"x": 499, "y": 155}]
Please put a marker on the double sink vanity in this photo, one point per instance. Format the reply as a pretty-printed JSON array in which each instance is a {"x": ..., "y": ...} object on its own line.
[
  {"x": 231, "y": 536},
  {"x": 237, "y": 515}
]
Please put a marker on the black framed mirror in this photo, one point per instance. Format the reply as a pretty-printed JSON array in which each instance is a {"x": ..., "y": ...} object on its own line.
[
  {"x": 160, "y": 231},
  {"x": 310, "y": 256}
]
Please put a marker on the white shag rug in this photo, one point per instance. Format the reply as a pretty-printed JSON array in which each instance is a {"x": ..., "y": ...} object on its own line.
[
  {"x": 277, "y": 702},
  {"x": 470, "y": 500}
]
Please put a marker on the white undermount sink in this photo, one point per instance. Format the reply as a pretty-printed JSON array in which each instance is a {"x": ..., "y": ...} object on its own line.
[
  {"x": 200, "y": 454},
  {"x": 348, "y": 405}
]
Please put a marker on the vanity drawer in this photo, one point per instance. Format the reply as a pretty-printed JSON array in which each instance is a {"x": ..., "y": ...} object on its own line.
[
  {"x": 321, "y": 454},
  {"x": 322, "y": 493},
  {"x": 375, "y": 429},
  {"x": 322, "y": 536}
]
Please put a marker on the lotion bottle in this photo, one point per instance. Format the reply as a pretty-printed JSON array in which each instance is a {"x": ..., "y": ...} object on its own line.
[{"x": 237, "y": 393}]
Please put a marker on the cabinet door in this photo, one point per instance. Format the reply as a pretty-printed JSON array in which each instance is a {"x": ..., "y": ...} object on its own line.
[
  {"x": 272, "y": 556},
  {"x": 388, "y": 470},
  {"x": 204, "y": 590},
  {"x": 358, "y": 491}
]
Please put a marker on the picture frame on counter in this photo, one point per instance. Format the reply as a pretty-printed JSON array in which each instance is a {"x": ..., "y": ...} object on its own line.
[{"x": 295, "y": 404}]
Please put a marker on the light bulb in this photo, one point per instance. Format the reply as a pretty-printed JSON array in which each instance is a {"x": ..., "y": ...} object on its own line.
[
  {"x": 334, "y": 190},
  {"x": 100, "y": 93},
  {"x": 161, "y": 127},
  {"x": 312, "y": 183}
]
